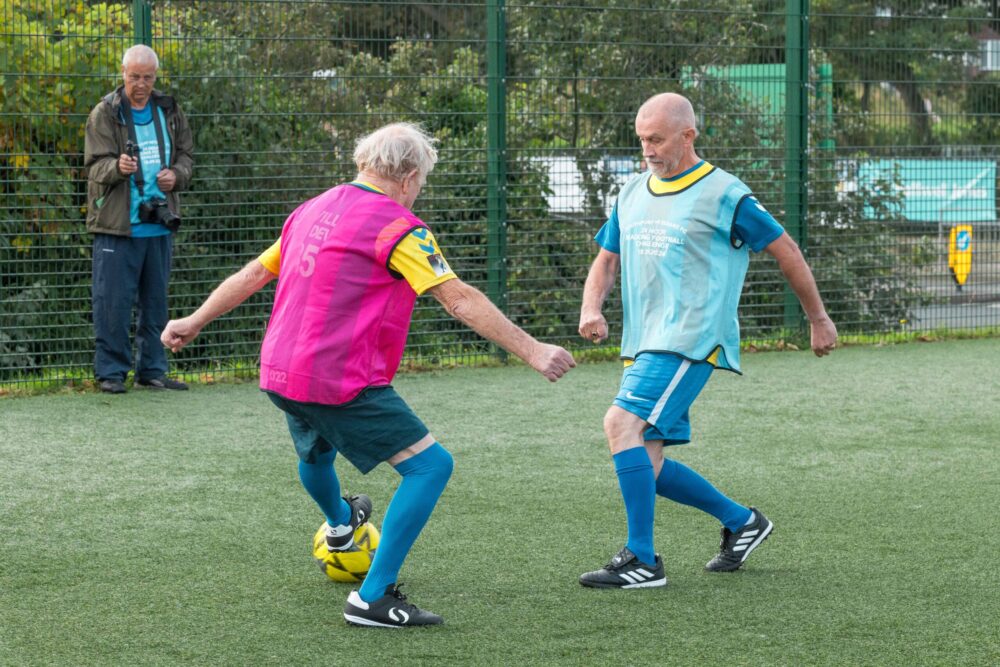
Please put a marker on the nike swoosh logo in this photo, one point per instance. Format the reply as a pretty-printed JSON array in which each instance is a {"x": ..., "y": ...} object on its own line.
[{"x": 633, "y": 397}]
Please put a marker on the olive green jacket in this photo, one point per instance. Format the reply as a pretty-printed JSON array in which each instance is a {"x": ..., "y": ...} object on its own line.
[{"x": 108, "y": 191}]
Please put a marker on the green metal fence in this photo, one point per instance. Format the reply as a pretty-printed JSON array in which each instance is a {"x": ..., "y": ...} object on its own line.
[{"x": 869, "y": 129}]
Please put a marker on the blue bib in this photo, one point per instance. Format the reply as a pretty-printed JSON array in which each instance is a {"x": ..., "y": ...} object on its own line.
[
  {"x": 149, "y": 162},
  {"x": 682, "y": 275}
]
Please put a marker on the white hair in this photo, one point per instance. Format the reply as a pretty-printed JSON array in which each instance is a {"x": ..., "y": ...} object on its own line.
[
  {"x": 395, "y": 150},
  {"x": 140, "y": 53}
]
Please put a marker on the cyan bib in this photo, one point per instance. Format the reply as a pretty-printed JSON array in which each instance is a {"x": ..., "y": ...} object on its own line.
[
  {"x": 681, "y": 274},
  {"x": 149, "y": 162}
]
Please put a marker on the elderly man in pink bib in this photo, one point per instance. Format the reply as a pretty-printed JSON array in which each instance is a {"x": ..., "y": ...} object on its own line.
[{"x": 350, "y": 264}]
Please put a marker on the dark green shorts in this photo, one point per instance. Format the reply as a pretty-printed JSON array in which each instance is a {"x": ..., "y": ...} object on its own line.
[{"x": 372, "y": 428}]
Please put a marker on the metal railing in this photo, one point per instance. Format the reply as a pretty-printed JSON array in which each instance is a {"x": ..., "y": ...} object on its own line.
[{"x": 864, "y": 130}]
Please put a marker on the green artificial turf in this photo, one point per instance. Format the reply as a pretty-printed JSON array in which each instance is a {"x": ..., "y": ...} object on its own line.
[{"x": 171, "y": 529}]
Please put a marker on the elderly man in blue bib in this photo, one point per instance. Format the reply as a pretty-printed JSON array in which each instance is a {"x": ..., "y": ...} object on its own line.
[{"x": 681, "y": 234}]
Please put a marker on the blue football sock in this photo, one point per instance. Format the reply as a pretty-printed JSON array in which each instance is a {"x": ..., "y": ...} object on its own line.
[
  {"x": 635, "y": 477},
  {"x": 321, "y": 482},
  {"x": 424, "y": 478},
  {"x": 683, "y": 485}
]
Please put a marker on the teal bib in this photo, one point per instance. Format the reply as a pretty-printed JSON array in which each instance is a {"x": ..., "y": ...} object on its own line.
[{"x": 681, "y": 273}]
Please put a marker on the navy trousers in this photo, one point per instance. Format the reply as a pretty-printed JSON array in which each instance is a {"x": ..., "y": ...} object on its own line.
[{"x": 130, "y": 273}]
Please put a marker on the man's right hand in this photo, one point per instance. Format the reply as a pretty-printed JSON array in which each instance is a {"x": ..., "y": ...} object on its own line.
[
  {"x": 552, "y": 361},
  {"x": 127, "y": 165},
  {"x": 179, "y": 333}
]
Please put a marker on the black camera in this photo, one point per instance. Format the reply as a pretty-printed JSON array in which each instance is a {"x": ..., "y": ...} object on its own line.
[
  {"x": 131, "y": 149},
  {"x": 156, "y": 210}
]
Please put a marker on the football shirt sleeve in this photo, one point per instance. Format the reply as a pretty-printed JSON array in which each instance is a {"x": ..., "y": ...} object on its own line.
[
  {"x": 754, "y": 225},
  {"x": 271, "y": 258},
  {"x": 608, "y": 236},
  {"x": 419, "y": 259}
]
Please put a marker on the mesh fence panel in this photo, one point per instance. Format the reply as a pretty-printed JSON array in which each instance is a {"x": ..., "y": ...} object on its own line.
[
  {"x": 533, "y": 106},
  {"x": 906, "y": 144}
]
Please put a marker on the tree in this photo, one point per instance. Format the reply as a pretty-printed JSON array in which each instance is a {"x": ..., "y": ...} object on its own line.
[
  {"x": 44, "y": 284},
  {"x": 919, "y": 48}
]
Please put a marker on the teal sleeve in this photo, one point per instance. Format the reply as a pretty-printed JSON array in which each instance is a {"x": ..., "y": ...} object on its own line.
[
  {"x": 608, "y": 236},
  {"x": 754, "y": 225}
]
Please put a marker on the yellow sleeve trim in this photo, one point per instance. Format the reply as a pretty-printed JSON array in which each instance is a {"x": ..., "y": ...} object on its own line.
[
  {"x": 419, "y": 259},
  {"x": 271, "y": 258}
]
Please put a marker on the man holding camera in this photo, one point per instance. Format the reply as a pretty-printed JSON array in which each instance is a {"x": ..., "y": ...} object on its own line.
[{"x": 138, "y": 155}]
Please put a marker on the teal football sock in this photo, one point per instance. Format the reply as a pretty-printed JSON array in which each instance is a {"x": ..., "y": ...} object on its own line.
[
  {"x": 635, "y": 477},
  {"x": 424, "y": 478},
  {"x": 321, "y": 482},
  {"x": 683, "y": 485}
]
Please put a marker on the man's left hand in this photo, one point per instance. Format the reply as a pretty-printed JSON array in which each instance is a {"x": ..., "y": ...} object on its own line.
[
  {"x": 824, "y": 336},
  {"x": 166, "y": 179}
]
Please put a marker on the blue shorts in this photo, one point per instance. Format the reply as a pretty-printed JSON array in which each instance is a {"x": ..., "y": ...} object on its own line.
[
  {"x": 372, "y": 428},
  {"x": 660, "y": 388}
]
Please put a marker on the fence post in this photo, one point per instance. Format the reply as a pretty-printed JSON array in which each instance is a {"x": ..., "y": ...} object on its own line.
[
  {"x": 796, "y": 137},
  {"x": 496, "y": 153},
  {"x": 142, "y": 16}
]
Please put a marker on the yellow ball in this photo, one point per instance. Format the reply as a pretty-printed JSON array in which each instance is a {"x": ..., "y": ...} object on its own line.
[{"x": 347, "y": 566}]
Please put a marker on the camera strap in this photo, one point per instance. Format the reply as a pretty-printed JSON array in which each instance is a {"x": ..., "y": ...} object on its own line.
[
  {"x": 130, "y": 126},
  {"x": 160, "y": 143}
]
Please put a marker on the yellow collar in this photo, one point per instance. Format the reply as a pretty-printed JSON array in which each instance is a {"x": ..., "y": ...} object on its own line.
[
  {"x": 369, "y": 186},
  {"x": 659, "y": 186}
]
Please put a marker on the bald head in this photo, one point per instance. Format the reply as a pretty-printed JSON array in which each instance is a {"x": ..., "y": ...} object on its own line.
[
  {"x": 670, "y": 107},
  {"x": 665, "y": 125}
]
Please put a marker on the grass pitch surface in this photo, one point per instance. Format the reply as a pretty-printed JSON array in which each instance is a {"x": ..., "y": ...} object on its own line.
[{"x": 171, "y": 529}]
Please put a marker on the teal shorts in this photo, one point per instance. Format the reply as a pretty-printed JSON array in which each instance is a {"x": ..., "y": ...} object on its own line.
[
  {"x": 660, "y": 387},
  {"x": 372, "y": 428}
]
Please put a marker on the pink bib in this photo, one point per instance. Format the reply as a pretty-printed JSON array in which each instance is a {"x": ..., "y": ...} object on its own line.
[{"x": 340, "y": 316}]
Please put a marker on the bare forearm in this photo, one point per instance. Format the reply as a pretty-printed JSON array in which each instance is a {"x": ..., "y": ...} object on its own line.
[
  {"x": 799, "y": 276},
  {"x": 823, "y": 332},
  {"x": 600, "y": 280},
  {"x": 596, "y": 290},
  {"x": 800, "y": 279},
  {"x": 233, "y": 291},
  {"x": 471, "y": 307}
]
